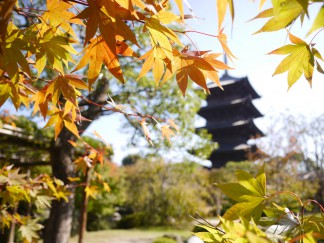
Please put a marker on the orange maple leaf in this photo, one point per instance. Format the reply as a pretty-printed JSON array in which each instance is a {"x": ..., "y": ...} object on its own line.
[{"x": 97, "y": 53}]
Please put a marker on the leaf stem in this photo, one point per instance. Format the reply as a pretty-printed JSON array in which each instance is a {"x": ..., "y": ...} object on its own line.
[
  {"x": 314, "y": 201},
  {"x": 195, "y": 31},
  {"x": 193, "y": 43},
  {"x": 315, "y": 36},
  {"x": 287, "y": 192},
  {"x": 77, "y": 1}
]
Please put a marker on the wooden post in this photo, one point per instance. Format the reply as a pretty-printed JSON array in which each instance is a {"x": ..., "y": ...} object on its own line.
[
  {"x": 11, "y": 238},
  {"x": 84, "y": 206}
]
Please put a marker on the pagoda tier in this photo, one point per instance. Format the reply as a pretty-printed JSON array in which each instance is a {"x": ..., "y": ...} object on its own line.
[
  {"x": 234, "y": 88},
  {"x": 229, "y": 115},
  {"x": 221, "y": 156},
  {"x": 241, "y": 130},
  {"x": 238, "y": 109}
]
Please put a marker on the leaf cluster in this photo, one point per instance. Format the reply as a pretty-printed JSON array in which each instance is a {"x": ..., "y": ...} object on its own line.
[
  {"x": 17, "y": 188},
  {"x": 253, "y": 218},
  {"x": 49, "y": 44},
  {"x": 302, "y": 57}
]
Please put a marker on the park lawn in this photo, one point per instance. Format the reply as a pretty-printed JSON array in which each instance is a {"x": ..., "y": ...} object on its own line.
[{"x": 130, "y": 236}]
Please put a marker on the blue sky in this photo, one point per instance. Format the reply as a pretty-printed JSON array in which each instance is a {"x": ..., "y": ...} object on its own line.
[{"x": 252, "y": 62}]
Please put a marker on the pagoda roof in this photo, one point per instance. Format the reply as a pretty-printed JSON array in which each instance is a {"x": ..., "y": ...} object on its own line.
[
  {"x": 239, "y": 153},
  {"x": 232, "y": 87},
  {"x": 239, "y": 130},
  {"x": 230, "y": 147},
  {"x": 242, "y": 107}
]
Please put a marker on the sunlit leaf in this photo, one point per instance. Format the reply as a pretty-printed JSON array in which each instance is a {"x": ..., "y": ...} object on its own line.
[
  {"x": 221, "y": 11},
  {"x": 300, "y": 60},
  {"x": 96, "y": 54},
  {"x": 249, "y": 192},
  {"x": 283, "y": 14},
  {"x": 57, "y": 14},
  {"x": 318, "y": 22},
  {"x": 91, "y": 191},
  {"x": 29, "y": 230}
]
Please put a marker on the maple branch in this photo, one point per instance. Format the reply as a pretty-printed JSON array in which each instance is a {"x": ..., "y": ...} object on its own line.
[
  {"x": 314, "y": 201},
  {"x": 287, "y": 192},
  {"x": 113, "y": 109},
  {"x": 193, "y": 43},
  {"x": 34, "y": 9},
  {"x": 77, "y": 1},
  {"x": 195, "y": 31},
  {"x": 27, "y": 14},
  {"x": 206, "y": 223}
]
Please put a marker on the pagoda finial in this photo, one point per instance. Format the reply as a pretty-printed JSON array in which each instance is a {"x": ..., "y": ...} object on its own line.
[{"x": 225, "y": 75}]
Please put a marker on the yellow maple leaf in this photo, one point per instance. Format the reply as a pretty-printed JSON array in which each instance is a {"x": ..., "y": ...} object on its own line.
[
  {"x": 56, "y": 15},
  {"x": 300, "y": 60},
  {"x": 221, "y": 11},
  {"x": 91, "y": 191}
]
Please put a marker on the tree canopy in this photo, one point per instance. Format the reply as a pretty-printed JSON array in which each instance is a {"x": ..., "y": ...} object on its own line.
[{"x": 37, "y": 40}]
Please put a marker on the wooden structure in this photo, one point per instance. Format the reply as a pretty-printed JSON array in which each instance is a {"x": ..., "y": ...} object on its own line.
[
  {"x": 20, "y": 148},
  {"x": 229, "y": 118}
]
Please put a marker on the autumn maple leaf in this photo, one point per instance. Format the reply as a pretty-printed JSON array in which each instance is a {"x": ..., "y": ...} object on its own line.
[
  {"x": 300, "y": 60},
  {"x": 57, "y": 15},
  {"x": 97, "y": 53}
]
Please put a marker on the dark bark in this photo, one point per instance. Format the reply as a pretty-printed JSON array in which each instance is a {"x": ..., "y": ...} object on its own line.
[
  {"x": 319, "y": 196},
  {"x": 59, "y": 225}
]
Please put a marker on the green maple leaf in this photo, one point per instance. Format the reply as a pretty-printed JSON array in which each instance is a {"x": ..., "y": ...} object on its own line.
[
  {"x": 249, "y": 192},
  {"x": 300, "y": 60},
  {"x": 29, "y": 231},
  {"x": 43, "y": 201},
  {"x": 318, "y": 22}
]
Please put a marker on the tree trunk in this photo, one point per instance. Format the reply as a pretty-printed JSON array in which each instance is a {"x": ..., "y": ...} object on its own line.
[{"x": 59, "y": 225}]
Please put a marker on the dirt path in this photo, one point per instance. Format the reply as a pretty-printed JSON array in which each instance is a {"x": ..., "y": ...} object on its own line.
[{"x": 125, "y": 236}]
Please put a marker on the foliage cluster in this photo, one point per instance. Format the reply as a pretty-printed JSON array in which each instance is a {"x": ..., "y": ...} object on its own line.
[
  {"x": 282, "y": 176},
  {"x": 48, "y": 42},
  {"x": 17, "y": 190},
  {"x": 302, "y": 58},
  {"x": 256, "y": 218}
]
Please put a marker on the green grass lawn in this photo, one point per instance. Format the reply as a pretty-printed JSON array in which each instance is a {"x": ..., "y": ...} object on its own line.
[{"x": 130, "y": 236}]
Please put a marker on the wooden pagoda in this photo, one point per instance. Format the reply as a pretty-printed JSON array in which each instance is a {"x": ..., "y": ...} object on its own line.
[{"x": 229, "y": 118}]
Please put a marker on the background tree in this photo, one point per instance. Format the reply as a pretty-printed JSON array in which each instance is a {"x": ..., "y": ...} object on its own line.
[
  {"x": 294, "y": 145},
  {"x": 164, "y": 193}
]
